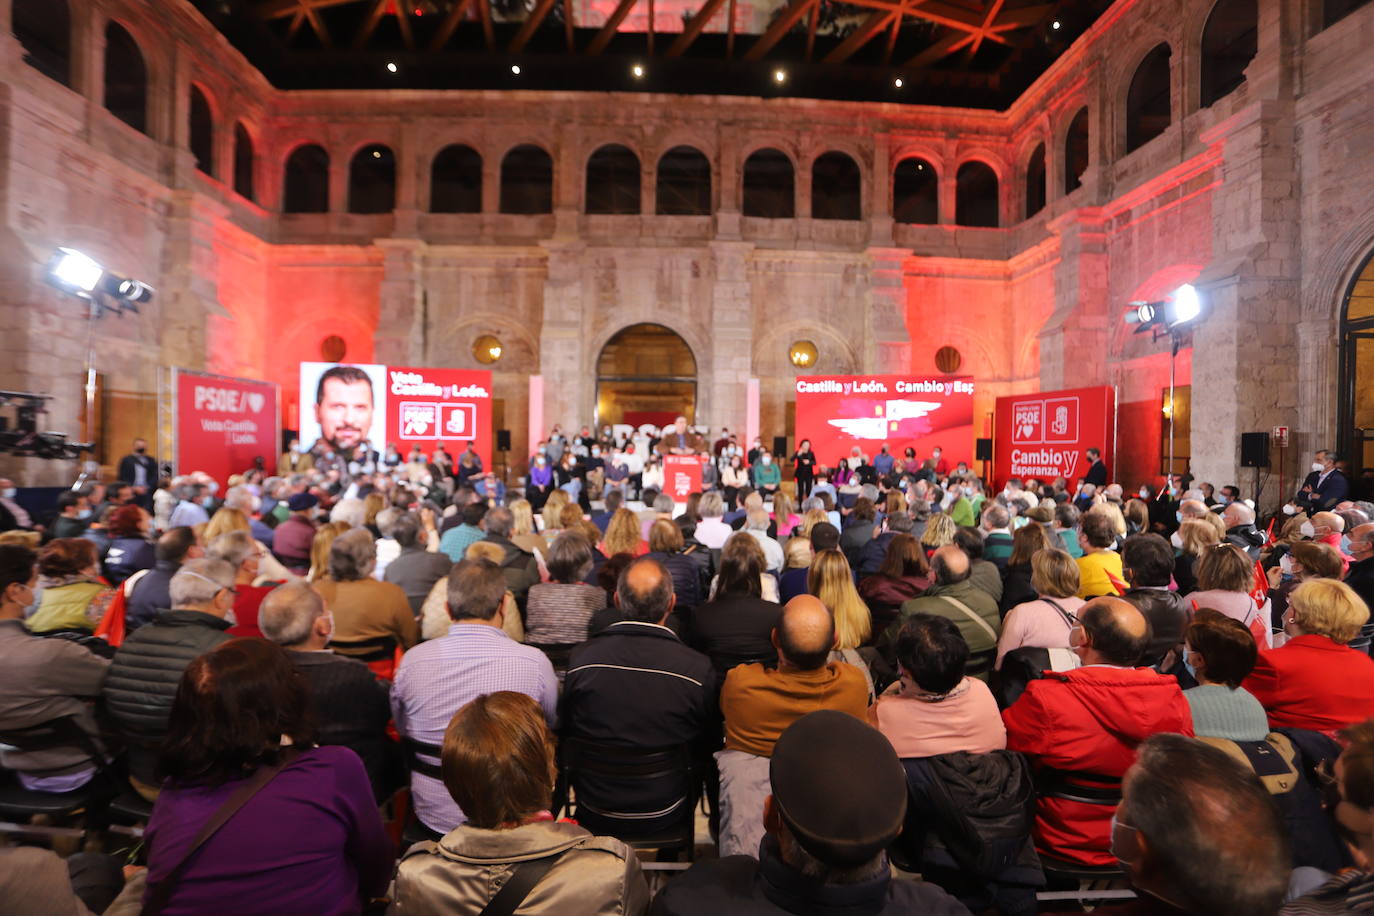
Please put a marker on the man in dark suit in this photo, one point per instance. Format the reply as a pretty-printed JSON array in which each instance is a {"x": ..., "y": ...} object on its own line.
[
  {"x": 1097, "y": 471},
  {"x": 139, "y": 470},
  {"x": 1324, "y": 487}
]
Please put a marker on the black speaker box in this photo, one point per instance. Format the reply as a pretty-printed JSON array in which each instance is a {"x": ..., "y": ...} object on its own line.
[
  {"x": 1254, "y": 450},
  {"x": 780, "y": 445},
  {"x": 982, "y": 450},
  {"x": 503, "y": 440}
]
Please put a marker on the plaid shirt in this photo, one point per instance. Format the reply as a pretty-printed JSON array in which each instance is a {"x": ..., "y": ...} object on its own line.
[{"x": 438, "y": 677}]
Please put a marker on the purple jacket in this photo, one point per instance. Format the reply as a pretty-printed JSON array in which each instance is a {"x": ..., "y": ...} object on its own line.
[{"x": 311, "y": 842}]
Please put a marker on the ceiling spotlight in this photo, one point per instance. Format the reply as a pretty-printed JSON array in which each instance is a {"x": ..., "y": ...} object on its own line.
[
  {"x": 897, "y": 82},
  {"x": 390, "y": 67},
  {"x": 73, "y": 270},
  {"x": 638, "y": 71},
  {"x": 80, "y": 275},
  {"x": 779, "y": 76},
  {"x": 515, "y": 68},
  {"x": 1056, "y": 25}
]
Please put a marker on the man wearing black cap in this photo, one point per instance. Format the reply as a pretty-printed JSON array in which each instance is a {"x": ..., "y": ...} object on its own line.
[
  {"x": 292, "y": 538},
  {"x": 838, "y": 799}
]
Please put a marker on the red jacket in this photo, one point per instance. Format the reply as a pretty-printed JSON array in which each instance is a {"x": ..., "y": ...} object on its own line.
[
  {"x": 1312, "y": 682},
  {"x": 1090, "y": 720}
]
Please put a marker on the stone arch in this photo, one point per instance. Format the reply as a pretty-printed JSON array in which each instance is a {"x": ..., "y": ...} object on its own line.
[
  {"x": 306, "y": 178},
  {"x": 965, "y": 213},
  {"x": 1226, "y": 40},
  {"x": 1119, "y": 78},
  {"x": 44, "y": 30},
  {"x": 128, "y": 96},
  {"x": 770, "y": 351},
  {"x": 528, "y": 197},
  {"x": 1069, "y": 179},
  {"x": 769, "y": 202},
  {"x": 613, "y": 180},
  {"x": 202, "y": 126},
  {"x": 522, "y": 347}
]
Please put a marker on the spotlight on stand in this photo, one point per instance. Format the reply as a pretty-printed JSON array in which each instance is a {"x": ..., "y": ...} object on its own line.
[
  {"x": 1168, "y": 315},
  {"x": 82, "y": 276}
]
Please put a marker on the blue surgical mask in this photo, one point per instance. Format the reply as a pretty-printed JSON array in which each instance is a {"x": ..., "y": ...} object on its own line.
[
  {"x": 1345, "y": 543},
  {"x": 84, "y": 513},
  {"x": 1179, "y": 516},
  {"x": 1192, "y": 672}
]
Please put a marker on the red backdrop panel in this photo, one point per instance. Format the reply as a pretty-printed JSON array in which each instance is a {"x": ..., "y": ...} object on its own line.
[
  {"x": 681, "y": 476},
  {"x": 659, "y": 418},
  {"x": 1045, "y": 435},
  {"x": 430, "y": 406},
  {"x": 838, "y": 412},
  {"x": 224, "y": 423}
]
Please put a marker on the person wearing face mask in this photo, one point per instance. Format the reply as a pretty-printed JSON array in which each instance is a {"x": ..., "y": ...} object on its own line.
[
  {"x": 1220, "y": 653},
  {"x": 139, "y": 470},
  {"x": 1360, "y": 575},
  {"x": 1303, "y": 561},
  {"x": 1229, "y": 855},
  {"x": 147, "y": 667},
  {"x": 938, "y": 464},
  {"x": 351, "y": 705},
  {"x": 1239, "y": 520},
  {"x": 1324, "y": 487},
  {"x": 1326, "y": 528},
  {"x": 73, "y": 515},
  {"x": 12, "y": 515},
  {"x": 767, "y": 475},
  {"x": 1091, "y": 719},
  {"x": 41, "y": 680}
]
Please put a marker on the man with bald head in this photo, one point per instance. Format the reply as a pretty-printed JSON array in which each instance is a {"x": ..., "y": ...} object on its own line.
[
  {"x": 759, "y": 704},
  {"x": 1191, "y": 509},
  {"x": 955, "y": 596},
  {"x": 1090, "y": 721},
  {"x": 634, "y": 684},
  {"x": 1239, "y": 520},
  {"x": 1361, "y": 574}
]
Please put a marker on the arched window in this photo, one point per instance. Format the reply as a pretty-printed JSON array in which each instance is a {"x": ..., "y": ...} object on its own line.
[
  {"x": 44, "y": 29},
  {"x": 684, "y": 183},
  {"x": 455, "y": 180},
  {"x": 836, "y": 188},
  {"x": 243, "y": 163},
  {"x": 307, "y": 181},
  {"x": 1035, "y": 182},
  {"x": 202, "y": 131},
  {"x": 1148, "y": 111},
  {"x": 126, "y": 78},
  {"x": 613, "y": 180},
  {"x": 769, "y": 190},
  {"x": 915, "y": 192},
  {"x": 1076, "y": 152},
  {"x": 976, "y": 199},
  {"x": 372, "y": 180},
  {"x": 527, "y": 181},
  {"x": 1229, "y": 42}
]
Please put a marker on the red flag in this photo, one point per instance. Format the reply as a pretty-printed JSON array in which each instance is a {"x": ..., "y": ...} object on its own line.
[
  {"x": 1116, "y": 583},
  {"x": 1269, "y": 535},
  {"x": 1260, "y": 592},
  {"x": 111, "y": 626}
]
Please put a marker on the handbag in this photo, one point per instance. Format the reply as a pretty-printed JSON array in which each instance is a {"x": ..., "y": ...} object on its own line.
[{"x": 157, "y": 900}]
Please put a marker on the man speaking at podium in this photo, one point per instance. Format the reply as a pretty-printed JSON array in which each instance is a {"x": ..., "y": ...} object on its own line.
[{"x": 680, "y": 441}]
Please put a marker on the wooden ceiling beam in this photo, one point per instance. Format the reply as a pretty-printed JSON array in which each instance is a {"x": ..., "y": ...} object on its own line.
[
  {"x": 607, "y": 32},
  {"x": 374, "y": 17},
  {"x": 942, "y": 48},
  {"x": 536, "y": 16},
  {"x": 295, "y": 25},
  {"x": 875, "y": 23},
  {"x": 488, "y": 33},
  {"x": 694, "y": 27},
  {"x": 317, "y": 24},
  {"x": 449, "y": 25},
  {"x": 778, "y": 29},
  {"x": 277, "y": 9}
]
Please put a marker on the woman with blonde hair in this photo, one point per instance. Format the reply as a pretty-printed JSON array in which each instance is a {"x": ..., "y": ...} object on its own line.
[
  {"x": 373, "y": 503},
  {"x": 832, "y": 581},
  {"x": 224, "y": 521},
  {"x": 811, "y": 519},
  {"x": 785, "y": 514},
  {"x": 1225, "y": 581},
  {"x": 319, "y": 549},
  {"x": 1046, "y": 621},
  {"x": 1137, "y": 513},
  {"x": 1192, "y": 539},
  {"x": 1113, "y": 514},
  {"x": 623, "y": 535},
  {"x": 228, "y": 519},
  {"x": 552, "y": 507},
  {"x": 523, "y": 534},
  {"x": 939, "y": 531}
]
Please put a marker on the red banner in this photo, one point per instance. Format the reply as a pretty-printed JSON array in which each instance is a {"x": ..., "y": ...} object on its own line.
[
  {"x": 839, "y": 412},
  {"x": 1046, "y": 435},
  {"x": 223, "y": 424},
  {"x": 681, "y": 476}
]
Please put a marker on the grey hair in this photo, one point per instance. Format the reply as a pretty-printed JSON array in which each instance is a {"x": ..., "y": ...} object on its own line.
[
  {"x": 199, "y": 581},
  {"x": 663, "y": 503},
  {"x": 995, "y": 516},
  {"x": 500, "y": 521},
  {"x": 352, "y": 556},
  {"x": 476, "y": 590},
  {"x": 240, "y": 498},
  {"x": 757, "y": 520},
  {"x": 233, "y": 547},
  {"x": 712, "y": 505},
  {"x": 406, "y": 529},
  {"x": 812, "y": 502},
  {"x": 386, "y": 520},
  {"x": 288, "y": 612},
  {"x": 349, "y": 511},
  {"x": 869, "y": 492}
]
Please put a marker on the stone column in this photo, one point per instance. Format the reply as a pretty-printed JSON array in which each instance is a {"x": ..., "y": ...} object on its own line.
[
  {"x": 887, "y": 342},
  {"x": 1075, "y": 339},
  {"x": 491, "y": 184},
  {"x": 947, "y": 192},
  {"x": 569, "y": 379},
  {"x": 725, "y": 388},
  {"x": 878, "y": 192},
  {"x": 402, "y": 334},
  {"x": 412, "y": 183},
  {"x": 725, "y": 187},
  {"x": 569, "y": 181},
  {"x": 338, "y": 182},
  {"x": 190, "y": 317},
  {"x": 88, "y": 52}
]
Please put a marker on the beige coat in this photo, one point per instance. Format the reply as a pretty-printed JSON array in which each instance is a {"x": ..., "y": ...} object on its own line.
[{"x": 465, "y": 869}]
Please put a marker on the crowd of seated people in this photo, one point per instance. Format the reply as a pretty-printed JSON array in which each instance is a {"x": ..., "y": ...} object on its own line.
[{"x": 323, "y": 648}]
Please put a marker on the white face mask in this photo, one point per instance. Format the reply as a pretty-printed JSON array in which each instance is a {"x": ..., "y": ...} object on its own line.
[
  {"x": 1318, "y": 466},
  {"x": 1176, "y": 540},
  {"x": 767, "y": 459},
  {"x": 1307, "y": 530},
  {"x": 1290, "y": 509},
  {"x": 9, "y": 492},
  {"x": 1144, "y": 493},
  {"x": 1286, "y": 564}
]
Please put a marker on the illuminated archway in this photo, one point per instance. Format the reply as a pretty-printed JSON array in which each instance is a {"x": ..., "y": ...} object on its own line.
[{"x": 645, "y": 373}]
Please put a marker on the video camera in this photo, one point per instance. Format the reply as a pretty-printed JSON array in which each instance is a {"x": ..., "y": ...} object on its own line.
[{"x": 24, "y": 439}]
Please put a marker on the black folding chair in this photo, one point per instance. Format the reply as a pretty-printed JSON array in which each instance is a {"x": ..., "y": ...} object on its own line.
[
  {"x": 670, "y": 827},
  {"x": 90, "y": 802},
  {"x": 1094, "y": 882}
]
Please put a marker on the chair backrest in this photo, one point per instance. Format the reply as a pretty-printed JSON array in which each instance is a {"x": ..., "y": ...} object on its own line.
[
  {"x": 376, "y": 649},
  {"x": 1086, "y": 788},
  {"x": 414, "y": 750},
  {"x": 1362, "y": 641},
  {"x": 581, "y": 761},
  {"x": 63, "y": 731}
]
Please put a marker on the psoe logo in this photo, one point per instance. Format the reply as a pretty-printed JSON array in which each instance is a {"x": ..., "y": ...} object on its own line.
[
  {"x": 1027, "y": 419},
  {"x": 228, "y": 400},
  {"x": 418, "y": 419},
  {"x": 1061, "y": 420}
]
